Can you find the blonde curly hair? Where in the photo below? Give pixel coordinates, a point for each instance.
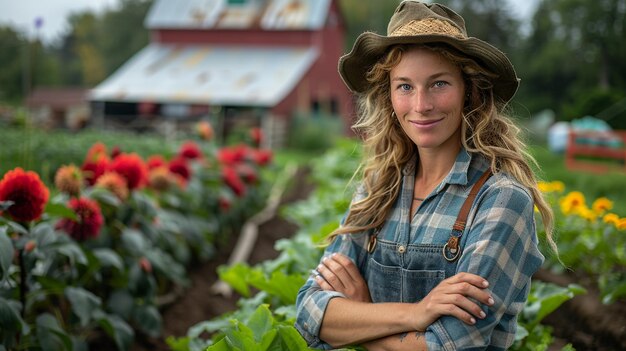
(486, 129)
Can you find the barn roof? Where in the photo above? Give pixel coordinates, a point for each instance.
(206, 74)
(242, 14)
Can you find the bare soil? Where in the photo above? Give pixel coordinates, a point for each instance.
(584, 321)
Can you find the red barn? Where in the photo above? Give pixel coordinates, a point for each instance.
(266, 58)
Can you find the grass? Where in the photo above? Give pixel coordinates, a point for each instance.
(45, 151)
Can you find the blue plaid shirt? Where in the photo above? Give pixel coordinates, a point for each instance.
(499, 244)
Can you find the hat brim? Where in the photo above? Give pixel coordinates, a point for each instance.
(369, 48)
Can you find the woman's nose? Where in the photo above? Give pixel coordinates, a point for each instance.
(422, 101)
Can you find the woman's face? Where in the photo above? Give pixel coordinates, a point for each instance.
(427, 94)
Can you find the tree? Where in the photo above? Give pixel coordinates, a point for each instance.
(13, 60)
(122, 34)
(366, 15)
(575, 52)
(489, 20)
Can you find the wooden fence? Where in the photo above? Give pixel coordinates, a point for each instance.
(596, 151)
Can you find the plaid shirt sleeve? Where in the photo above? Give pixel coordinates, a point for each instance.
(312, 301)
(500, 244)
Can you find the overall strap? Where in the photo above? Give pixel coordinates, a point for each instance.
(451, 250)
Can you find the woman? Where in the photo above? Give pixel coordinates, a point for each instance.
(439, 245)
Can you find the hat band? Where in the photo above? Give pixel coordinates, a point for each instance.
(427, 26)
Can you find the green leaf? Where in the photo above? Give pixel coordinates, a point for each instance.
(267, 340)
(134, 241)
(235, 276)
(220, 346)
(104, 196)
(83, 303)
(240, 337)
(72, 251)
(140, 283)
(177, 344)
(10, 319)
(60, 210)
(260, 322)
(6, 254)
(5, 205)
(545, 298)
(283, 286)
(149, 320)
(210, 327)
(119, 330)
(109, 258)
(121, 303)
(291, 338)
(44, 234)
(50, 334)
(164, 263)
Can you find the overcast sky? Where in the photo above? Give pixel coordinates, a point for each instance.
(23, 14)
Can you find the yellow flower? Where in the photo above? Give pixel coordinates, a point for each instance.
(572, 202)
(551, 187)
(586, 213)
(611, 218)
(602, 205)
(544, 187)
(621, 225)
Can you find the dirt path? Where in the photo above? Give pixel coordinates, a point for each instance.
(198, 303)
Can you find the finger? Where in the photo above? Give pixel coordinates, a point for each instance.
(470, 278)
(466, 305)
(323, 283)
(338, 270)
(330, 277)
(469, 290)
(455, 311)
(349, 266)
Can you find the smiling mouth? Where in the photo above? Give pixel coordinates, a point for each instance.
(426, 123)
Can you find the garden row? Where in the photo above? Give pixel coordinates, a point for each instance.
(266, 313)
(101, 248)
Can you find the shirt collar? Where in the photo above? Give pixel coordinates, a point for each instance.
(458, 173)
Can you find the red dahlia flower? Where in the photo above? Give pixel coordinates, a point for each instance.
(94, 167)
(27, 192)
(262, 157)
(155, 161)
(232, 179)
(247, 172)
(232, 155)
(69, 179)
(89, 219)
(116, 151)
(132, 167)
(257, 136)
(190, 151)
(95, 151)
(180, 166)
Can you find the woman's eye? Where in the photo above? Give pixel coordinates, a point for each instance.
(440, 84)
(404, 87)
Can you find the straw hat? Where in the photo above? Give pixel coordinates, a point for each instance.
(417, 23)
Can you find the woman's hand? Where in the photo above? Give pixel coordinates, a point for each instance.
(338, 273)
(453, 297)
